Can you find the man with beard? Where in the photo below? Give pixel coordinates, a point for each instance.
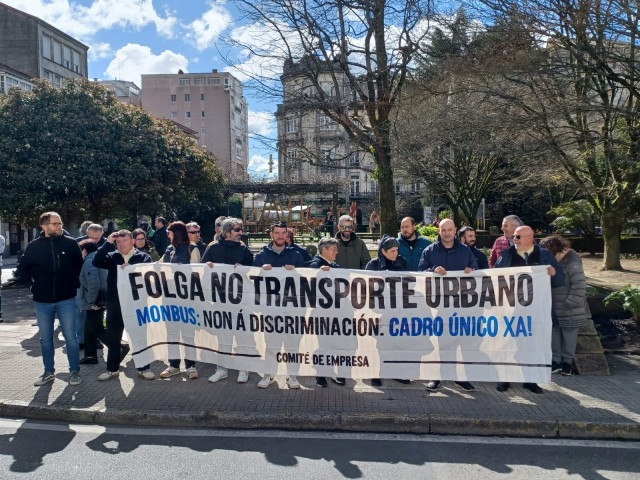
(278, 254)
(467, 236)
(411, 243)
(50, 267)
(228, 250)
(352, 252)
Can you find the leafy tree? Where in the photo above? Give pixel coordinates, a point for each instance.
(371, 43)
(579, 215)
(79, 151)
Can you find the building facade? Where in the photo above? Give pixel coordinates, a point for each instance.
(126, 92)
(212, 104)
(38, 49)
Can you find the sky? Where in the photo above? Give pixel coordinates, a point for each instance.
(127, 38)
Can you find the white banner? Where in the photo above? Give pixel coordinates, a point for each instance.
(489, 325)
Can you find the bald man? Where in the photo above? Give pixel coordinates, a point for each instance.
(447, 254)
(524, 252)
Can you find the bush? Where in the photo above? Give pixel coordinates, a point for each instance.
(630, 298)
(429, 231)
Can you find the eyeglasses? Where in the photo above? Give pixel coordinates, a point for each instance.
(194, 232)
(520, 236)
(55, 224)
(237, 229)
(346, 227)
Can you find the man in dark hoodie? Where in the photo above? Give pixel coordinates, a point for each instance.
(228, 250)
(50, 267)
(278, 254)
(352, 252)
(447, 254)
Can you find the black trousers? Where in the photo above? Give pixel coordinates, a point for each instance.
(112, 337)
(93, 329)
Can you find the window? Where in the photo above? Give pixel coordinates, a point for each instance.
(66, 57)
(238, 150)
(397, 188)
(202, 131)
(57, 52)
(226, 82)
(202, 114)
(173, 98)
(76, 61)
(187, 97)
(174, 115)
(187, 114)
(57, 80)
(213, 81)
(374, 186)
(292, 158)
(355, 185)
(202, 96)
(354, 160)
(325, 123)
(184, 81)
(327, 161)
(46, 46)
(291, 125)
(198, 81)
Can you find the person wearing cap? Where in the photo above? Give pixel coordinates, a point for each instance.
(388, 259)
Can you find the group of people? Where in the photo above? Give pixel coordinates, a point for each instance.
(77, 279)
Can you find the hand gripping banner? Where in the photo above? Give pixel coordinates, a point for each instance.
(489, 325)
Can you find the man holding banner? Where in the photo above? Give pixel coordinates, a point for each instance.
(523, 253)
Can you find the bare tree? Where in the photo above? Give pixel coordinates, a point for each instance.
(369, 42)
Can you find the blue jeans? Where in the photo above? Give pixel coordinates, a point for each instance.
(45, 314)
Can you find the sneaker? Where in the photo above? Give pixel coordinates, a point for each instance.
(556, 367)
(221, 374)
(433, 385)
(321, 382)
(146, 374)
(266, 381)
(46, 377)
(339, 380)
(376, 382)
(169, 372)
(532, 387)
(466, 386)
(74, 378)
(192, 373)
(108, 375)
(403, 381)
(566, 369)
(293, 382)
(243, 376)
(88, 361)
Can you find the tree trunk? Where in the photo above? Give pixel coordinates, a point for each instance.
(611, 227)
(387, 201)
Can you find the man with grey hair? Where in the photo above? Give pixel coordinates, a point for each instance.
(95, 232)
(228, 250)
(193, 230)
(218, 227)
(352, 251)
(509, 225)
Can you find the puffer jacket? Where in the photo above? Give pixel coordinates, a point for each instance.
(452, 259)
(570, 300)
(383, 263)
(93, 285)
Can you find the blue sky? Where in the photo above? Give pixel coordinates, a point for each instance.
(127, 38)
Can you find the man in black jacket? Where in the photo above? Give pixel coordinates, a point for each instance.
(228, 250)
(50, 267)
(160, 238)
(467, 236)
(117, 252)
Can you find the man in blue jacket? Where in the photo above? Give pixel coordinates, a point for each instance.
(447, 254)
(524, 252)
(278, 254)
(50, 267)
(467, 235)
(411, 243)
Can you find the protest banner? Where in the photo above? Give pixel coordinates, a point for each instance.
(489, 325)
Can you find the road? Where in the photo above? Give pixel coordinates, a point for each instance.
(32, 449)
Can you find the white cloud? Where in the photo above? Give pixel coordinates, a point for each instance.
(259, 167)
(83, 22)
(132, 60)
(205, 31)
(99, 50)
(261, 123)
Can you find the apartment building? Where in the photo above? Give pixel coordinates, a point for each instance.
(126, 92)
(212, 104)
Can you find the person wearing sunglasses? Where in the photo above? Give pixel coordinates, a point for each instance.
(228, 250)
(524, 252)
(195, 242)
(509, 225)
(353, 252)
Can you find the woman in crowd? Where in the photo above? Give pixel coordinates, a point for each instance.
(374, 222)
(178, 252)
(92, 299)
(143, 244)
(570, 307)
(388, 259)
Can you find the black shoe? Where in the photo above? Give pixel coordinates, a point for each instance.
(124, 349)
(503, 386)
(532, 387)
(321, 382)
(99, 346)
(339, 381)
(376, 382)
(556, 367)
(404, 382)
(88, 361)
(566, 369)
(466, 386)
(433, 385)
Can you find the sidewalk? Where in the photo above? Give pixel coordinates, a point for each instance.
(571, 407)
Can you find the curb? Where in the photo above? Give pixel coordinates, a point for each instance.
(329, 421)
